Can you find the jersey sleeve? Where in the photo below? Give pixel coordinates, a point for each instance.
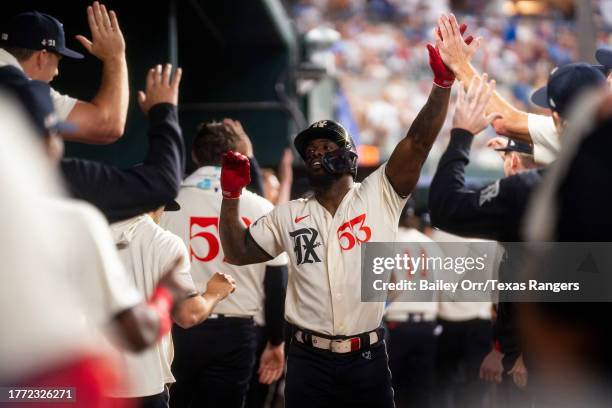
(63, 104)
(380, 195)
(173, 248)
(280, 260)
(119, 292)
(266, 234)
(545, 138)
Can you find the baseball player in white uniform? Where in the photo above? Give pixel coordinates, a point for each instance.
(337, 356)
(94, 272)
(219, 373)
(147, 251)
(411, 323)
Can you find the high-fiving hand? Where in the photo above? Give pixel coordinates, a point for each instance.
(106, 38)
(470, 109)
(453, 49)
(159, 88)
(444, 77)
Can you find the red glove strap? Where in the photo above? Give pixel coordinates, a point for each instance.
(161, 302)
(231, 194)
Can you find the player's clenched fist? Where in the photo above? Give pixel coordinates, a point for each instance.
(220, 285)
(235, 174)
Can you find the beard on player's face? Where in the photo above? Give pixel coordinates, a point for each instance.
(321, 179)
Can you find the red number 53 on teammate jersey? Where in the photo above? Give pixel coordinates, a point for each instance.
(205, 232)
(353, 232)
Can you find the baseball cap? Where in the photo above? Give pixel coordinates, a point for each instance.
(603, 55)
(516, 146)
(172, 206)
(37, 31)
(35, 98)
(565, 84)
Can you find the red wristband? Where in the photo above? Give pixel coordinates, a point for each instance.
(161, 302)
(497, 346)
(232, 195)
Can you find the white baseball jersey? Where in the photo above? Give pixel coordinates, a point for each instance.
(63, 103)
(324, 289)
(197, 223)
(397, 310)
(545, 138)
(461, 311)
(147, 252)
(90, 262)
(38, 310)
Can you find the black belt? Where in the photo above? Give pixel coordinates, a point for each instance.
(222, 316)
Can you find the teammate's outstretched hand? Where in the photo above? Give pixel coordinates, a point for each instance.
(470, 110)
(492, 369)
(454, 49)
(444, 77)
(159, 87)
(220, 285)
(272, 363)
(106, 38)
(235, 174)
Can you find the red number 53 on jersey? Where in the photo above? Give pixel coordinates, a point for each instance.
(204, 233)
(353, 232)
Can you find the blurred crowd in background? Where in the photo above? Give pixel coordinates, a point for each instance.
(381, 62)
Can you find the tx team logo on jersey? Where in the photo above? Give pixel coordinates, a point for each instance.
(304, 244)
(488, 193)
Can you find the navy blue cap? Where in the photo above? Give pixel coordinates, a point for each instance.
(516, 146)
(565, 84)
(35, 97)
(604, 57)
(172, 206)
(37, 31)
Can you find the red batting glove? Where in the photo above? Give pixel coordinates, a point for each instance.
(443, 76)
(235, 174)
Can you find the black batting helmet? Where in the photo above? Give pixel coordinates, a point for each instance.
(344, 160)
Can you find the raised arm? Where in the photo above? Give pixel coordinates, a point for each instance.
(406, 161)
(238, 245)
(102, 120)
(124, 193)
(455, 208)
(456, 54)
